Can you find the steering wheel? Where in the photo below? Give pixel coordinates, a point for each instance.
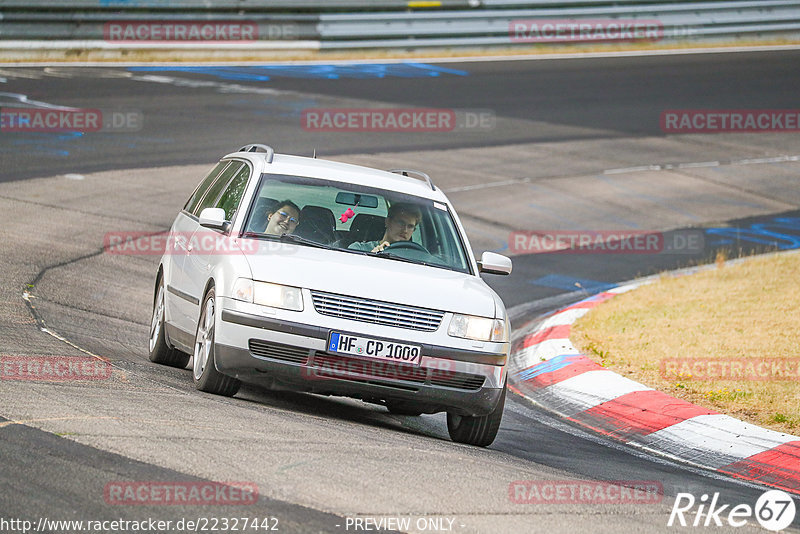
(399, 245)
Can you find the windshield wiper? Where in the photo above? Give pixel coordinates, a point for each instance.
(393, 256)
(290, 238)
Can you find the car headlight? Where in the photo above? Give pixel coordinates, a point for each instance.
(266, 294)
(477, 328)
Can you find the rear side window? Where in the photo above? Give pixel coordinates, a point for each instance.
(232, 196)
(201, 190)
(209, 200)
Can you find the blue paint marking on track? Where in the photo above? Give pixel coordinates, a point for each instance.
(48, 144)
(549, 366)
(782, 233)
(569, 283)
(263, 73)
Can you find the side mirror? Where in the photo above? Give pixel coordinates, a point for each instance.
(492, 263)
(214, 218)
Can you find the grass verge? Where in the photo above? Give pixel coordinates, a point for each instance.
(738, 319)
(222, 54)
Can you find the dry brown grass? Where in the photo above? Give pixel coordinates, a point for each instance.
(235, 55)
(745, 311)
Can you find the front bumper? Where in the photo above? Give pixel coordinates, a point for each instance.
(282, 354)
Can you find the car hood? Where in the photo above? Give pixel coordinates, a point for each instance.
(373, 278)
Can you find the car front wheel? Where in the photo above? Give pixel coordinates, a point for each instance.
(206, 376)
(477, 430)
(160, 351)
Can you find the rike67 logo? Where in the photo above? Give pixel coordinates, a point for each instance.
(774, 510)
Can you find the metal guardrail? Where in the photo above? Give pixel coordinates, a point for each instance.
(491, 27)
(398, 24)
(316, 6)
(259, 5)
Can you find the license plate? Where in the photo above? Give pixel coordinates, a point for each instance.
(378, 349)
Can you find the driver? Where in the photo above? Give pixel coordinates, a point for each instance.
(401, 221)
(283, 219)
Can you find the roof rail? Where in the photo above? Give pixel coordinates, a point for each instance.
(418, 174)
(259, 148)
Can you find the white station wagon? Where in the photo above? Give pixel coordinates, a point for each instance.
(311, 275)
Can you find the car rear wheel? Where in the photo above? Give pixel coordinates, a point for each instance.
(477, 430)
(206, 376)
(160, 351)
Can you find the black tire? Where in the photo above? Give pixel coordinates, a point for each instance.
(399, 409)
(478, 430)
(160, 351)
(206, 376)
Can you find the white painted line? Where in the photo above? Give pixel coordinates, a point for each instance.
(19, 100)
(698, 164)
(487, 185)
(640, 168)
(74, 176)
(592, 388)
(691, 165)
(775, 159)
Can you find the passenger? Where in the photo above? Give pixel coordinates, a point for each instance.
(284, 219)
(401, 221)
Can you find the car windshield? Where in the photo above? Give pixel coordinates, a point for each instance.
(356, 220)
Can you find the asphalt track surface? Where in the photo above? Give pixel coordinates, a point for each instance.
(559, 126)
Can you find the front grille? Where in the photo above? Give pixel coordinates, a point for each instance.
(277, 351)
(456, 380)
(363, 370)
(376, 311)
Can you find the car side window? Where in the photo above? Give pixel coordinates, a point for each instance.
(191, 204)
(232, 196)
(212, 195)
